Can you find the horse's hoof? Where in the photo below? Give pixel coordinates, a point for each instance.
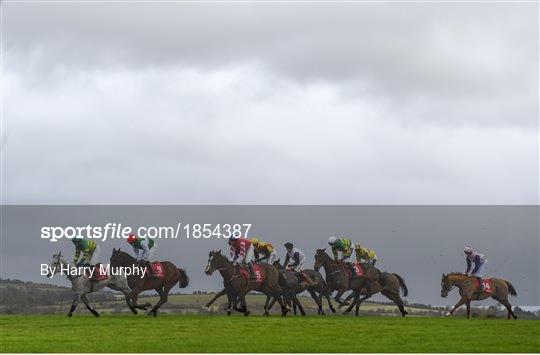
(247, 313)
(266, 314)
(206, 307)
(345, 313)
(96, 314)
(69, 315)
(448, 314)
(134, 311)
(333, 310)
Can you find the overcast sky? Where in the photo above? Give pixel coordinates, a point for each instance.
(270, 103)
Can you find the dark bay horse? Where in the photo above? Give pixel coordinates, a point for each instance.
(317, 288)
(237, 286)
(172, 276)
(390, 283)
(468, 291)
(292, 284)
(337, 277)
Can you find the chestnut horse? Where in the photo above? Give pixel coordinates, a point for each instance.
(172, 276)
(468, 289)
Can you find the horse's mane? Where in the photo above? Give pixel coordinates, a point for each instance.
(124, 254)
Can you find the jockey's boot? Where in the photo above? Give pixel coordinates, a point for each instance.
(95, 275)
(251, 272)
(480, 285)
(351, 267)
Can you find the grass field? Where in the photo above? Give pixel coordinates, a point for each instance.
(174, 333)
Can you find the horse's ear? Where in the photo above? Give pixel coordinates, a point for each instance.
(219, 251)
(59, 253)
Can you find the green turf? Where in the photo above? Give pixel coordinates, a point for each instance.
(197, 333)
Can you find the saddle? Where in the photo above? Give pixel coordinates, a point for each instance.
(258, 273)
(357, 267)
(157, 270)
(99, 273)
(486, 283)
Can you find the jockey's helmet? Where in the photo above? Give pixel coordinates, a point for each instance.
(357, 246)
(131, 238)
(255, 241)
(289, 245)
(468, 249)
(332, 240)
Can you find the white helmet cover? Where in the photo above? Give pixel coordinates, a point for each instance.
(331, 240)
(468, 249)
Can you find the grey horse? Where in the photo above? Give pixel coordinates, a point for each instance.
(82, 285)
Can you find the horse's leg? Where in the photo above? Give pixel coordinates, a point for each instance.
(134, 295)
(326, 294)
(459, 304)
(355, 294)
(315, 297)
(296, 302)
(505, 303)
(393, 296)
(74, 305)
(339, 293)
(268, 305)
(218, 295)
(123, 287)
(163, 293)
(468, 305)
(88, 305)
(244, 304)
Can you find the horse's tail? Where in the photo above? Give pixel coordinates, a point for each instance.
(402, 285)
(511, 288)
(184, 279)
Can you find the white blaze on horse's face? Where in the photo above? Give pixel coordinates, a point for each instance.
(208, 269)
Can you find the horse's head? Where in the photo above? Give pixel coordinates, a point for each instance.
(446, 285)
(277, 264)
(320, 257)
(214, 261)
(56, 264)
(120, 258)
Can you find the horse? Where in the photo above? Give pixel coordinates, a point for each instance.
(468, 290)
(82, 285)
(390, 285)
(338, 279)
(171, 276)
(315, 286)
(293, 284)
(237, 286)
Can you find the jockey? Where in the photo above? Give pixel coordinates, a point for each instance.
(365, 255)
(242, 251)
(89, 249)
(264, 252)
(143, 248)
(342, 249)
(479, 261)
(296, 256)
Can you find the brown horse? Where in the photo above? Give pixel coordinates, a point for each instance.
(172, 276)
(390, 283)
(338, 279)
(237, 286)
(316, 287)
(468, 289)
